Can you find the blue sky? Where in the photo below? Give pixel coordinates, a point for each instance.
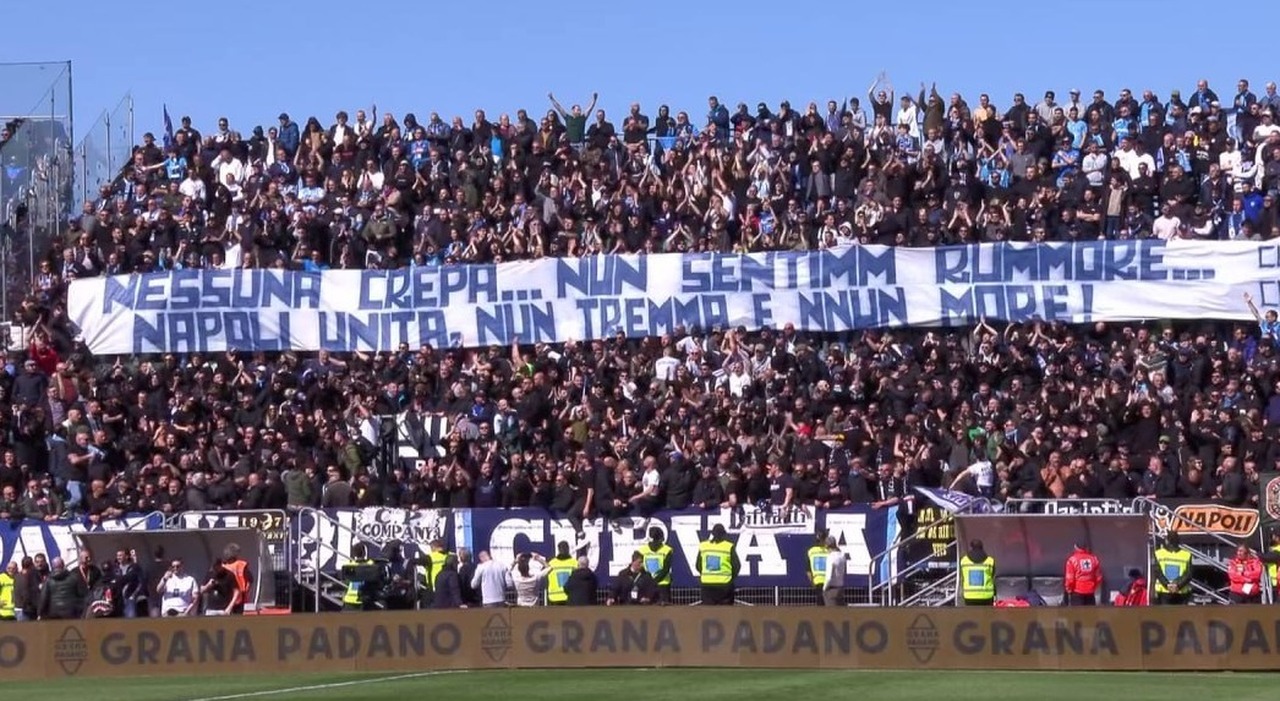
(249, 61)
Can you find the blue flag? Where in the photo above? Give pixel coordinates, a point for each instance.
(168, 128)
(957, 502)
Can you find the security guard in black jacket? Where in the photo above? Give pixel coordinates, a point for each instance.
(634, 585)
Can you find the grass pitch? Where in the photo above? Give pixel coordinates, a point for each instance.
(667, 685)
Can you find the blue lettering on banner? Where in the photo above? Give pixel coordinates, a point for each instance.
(554, 300)
(342, 331)
(527, 322)
(772, 547)
(601, 276)
(1087, 261)
(853, 266)
(184, 290)
(198, 332)
(853, 309)
(416, 288)
(640, 317)
(1020, 303)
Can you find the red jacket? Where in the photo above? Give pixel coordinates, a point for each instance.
(46, 359)
(1242, 571)
(1084, 573)
(1136, 596)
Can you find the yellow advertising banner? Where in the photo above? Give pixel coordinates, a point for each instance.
(1182, 638)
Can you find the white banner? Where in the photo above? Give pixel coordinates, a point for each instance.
(553, 300)
(325, 536)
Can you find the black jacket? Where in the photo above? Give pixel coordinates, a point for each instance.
(634, 588)
(26, 592)
(978, 555)
(63, 595)
(131, 582)
(470, 595)
(448, 590)
(581, 587)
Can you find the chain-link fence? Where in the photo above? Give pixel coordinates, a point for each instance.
(105, 150)
(36, 168)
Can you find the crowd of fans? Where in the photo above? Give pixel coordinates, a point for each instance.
(702, 417)
(126, 586)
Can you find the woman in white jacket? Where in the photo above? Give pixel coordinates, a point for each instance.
(528, 574)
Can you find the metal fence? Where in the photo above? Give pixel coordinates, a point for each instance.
(105, 150)
(36, 169)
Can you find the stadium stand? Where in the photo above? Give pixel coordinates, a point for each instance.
(722, 416)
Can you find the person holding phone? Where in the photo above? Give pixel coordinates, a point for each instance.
(178, 591)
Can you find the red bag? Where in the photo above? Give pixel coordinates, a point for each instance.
(1012, 604)
(1136, 596)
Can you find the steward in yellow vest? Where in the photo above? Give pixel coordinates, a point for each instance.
(657, 562)
(977, 576)
(558, 570)
(718, 567)
(8, 583)
(363, 577)
(1271, 558)
(428, 568)
(1173, 572)
(816, 564)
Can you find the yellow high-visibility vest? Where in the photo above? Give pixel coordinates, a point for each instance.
(653, 561)
(1273, 571)
(978, 579)
(351, 596)
(559, 569)
(428, 575)
(1173, 565)
(716, 562)
(818, 564)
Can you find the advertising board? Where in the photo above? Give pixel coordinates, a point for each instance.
(1150, 639)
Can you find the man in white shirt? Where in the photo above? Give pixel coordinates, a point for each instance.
(739, 380)
(1166, 226)
(1127, 157)
(908, 116)
(983, 475)
(364, 127)
(1229, 161)
(1132, 157)
(491, 580)
(650, 481)
(1045, 108)
(1264, 130)
(226, 164)
(178, 591)
(1094, 165)
(837, 566)
(664, 368)
(193, 187)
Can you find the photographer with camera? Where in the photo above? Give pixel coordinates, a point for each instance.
(364, 578)
(527, 575)
(400, 594)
